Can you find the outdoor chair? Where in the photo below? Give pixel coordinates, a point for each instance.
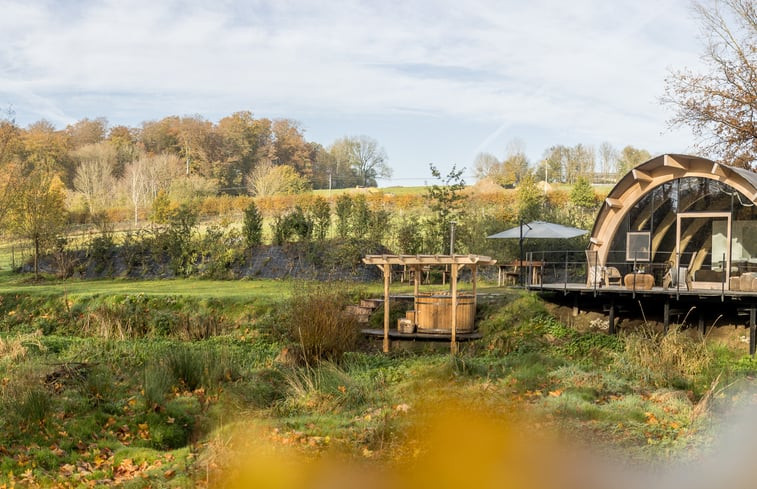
(676, 275)
(593, 270)
(612, 276)
(598, 275)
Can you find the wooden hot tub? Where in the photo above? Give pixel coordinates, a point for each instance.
(434, 313)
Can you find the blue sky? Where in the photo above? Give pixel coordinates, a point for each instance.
(432, 81)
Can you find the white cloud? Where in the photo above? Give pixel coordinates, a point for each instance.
(586, 68)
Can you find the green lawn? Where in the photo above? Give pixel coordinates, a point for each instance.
(232, 289)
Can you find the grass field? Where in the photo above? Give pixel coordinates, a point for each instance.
(176, 383)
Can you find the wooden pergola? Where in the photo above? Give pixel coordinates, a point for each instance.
(416, 263)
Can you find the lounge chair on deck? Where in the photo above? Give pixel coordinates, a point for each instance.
(598, 275)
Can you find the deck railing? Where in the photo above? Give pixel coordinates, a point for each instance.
(667, 270)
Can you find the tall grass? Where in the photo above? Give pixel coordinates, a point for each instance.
(662, 360)
(318, 323)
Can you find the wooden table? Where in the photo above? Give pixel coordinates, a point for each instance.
(639, 281)
(509, 273)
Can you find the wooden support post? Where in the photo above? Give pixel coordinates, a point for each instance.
(666, 316)
(474, 280)
(387, 275)
(611, 318)
(416, 291)
(752, 330)
(453, 344)
(702, 325)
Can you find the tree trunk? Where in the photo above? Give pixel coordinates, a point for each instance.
(36, 257)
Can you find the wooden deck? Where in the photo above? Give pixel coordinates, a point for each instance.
(708, 304)
(671, 292)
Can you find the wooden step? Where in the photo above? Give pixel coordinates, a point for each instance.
(371, 303)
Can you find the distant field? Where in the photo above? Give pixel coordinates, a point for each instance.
(420, 190)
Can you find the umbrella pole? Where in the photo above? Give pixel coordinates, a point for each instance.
(520, 268)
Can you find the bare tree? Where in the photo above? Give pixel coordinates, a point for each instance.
(94, 175)
(365, 157)
(608, 159)
(160, 171)
(135, 183)
(720, 104)
(486, 165)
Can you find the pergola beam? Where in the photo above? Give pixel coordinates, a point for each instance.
(428, 260)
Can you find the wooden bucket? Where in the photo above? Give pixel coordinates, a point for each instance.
(434, 313)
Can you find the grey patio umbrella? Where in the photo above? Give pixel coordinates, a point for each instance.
(538, 230)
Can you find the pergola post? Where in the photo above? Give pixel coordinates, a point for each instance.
(453, 344)
(416, 291)
(387, 268)
(474, 282)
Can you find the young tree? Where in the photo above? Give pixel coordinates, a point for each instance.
(253, 226)
(720, 104)
(135, 184)
(320, 215)
(582, 194)
(344, 204)
(445, 201)
(530, 200)
(39, 211)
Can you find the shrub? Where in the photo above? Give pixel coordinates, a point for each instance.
(318, 323)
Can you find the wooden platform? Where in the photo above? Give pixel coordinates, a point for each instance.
(671, 292)
(396, 335)
(708, 305)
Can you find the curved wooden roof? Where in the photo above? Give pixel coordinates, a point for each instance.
(650, 175)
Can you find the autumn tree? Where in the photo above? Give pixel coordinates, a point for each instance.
(124, 141)
(11, 174)
(290, 147)
(46, 149)
(86, 131)
(39, 212)
(267, 179)
(324, 164)
(720, 104)
(630, 158)
(245, 141)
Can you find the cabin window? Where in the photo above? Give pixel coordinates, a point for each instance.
(637, 246)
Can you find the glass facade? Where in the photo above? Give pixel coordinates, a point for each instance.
(703, 239)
